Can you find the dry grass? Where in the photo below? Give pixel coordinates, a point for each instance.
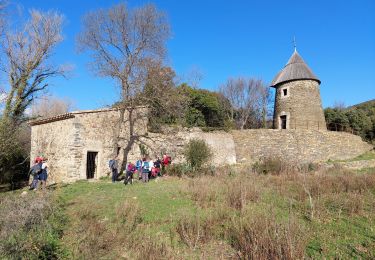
(27, 227)
(314, 194)
(241, 191)
(237, 214)
(261, 237)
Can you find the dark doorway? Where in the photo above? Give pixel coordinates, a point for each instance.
(283, 122)
(91, 164)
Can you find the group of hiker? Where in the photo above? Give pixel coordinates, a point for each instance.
(145, 167)
(39, 172)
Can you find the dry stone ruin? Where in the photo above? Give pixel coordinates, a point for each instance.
(80, 144)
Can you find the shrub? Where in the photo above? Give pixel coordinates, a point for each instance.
(14, 150)
(179, 169)
(197, 153)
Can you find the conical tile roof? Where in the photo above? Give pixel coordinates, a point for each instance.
(295, 69)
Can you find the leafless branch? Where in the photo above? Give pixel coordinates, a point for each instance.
(27, 51)
(123, 44)
(247, 96)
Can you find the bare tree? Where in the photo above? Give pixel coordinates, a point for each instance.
(3, 5)
(248, 97)
(124, 43)
(51, 106)
(194, 77)
(26, 54)
(264, 104)
(339, 105)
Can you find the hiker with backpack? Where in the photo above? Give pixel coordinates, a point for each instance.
(113, 165)
(145, 169)
(35, 170)
(44, 173)
(156, 169)
(138, 167)
(130, 169)
(167, 160)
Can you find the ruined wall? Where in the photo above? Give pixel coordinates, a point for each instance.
(302, 105)
(300, 146)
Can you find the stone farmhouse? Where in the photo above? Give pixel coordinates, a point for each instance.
(80, 144)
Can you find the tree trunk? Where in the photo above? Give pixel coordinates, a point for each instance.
(132, 138)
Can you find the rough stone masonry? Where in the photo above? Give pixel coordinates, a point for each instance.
(67, 140)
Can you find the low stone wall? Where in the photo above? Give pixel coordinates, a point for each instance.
(300, 146)
(174, 140)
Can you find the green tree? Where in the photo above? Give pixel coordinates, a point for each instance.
(358, 118)
(336, 119)
(211, 105)
(194, 117)
(359, 122)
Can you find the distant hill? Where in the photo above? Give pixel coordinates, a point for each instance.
(363, 105)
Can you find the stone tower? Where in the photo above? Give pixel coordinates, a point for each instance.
(297, 98)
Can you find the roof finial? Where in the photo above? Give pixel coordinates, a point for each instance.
(295, 43)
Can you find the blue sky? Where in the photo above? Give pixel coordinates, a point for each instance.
(238, 38)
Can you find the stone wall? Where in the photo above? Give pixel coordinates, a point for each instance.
(301, 146)
(173, 141)
(302, 105)
(95, 132)
(55, 141)
(66, 143)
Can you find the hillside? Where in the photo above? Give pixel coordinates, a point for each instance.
(364, 105)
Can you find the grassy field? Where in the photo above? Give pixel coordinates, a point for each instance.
(234, 214)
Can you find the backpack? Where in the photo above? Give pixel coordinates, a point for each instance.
(130, 167)
(146, 166)
(36, 169)
(157, 164)
(169, 159)
(111, 164)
